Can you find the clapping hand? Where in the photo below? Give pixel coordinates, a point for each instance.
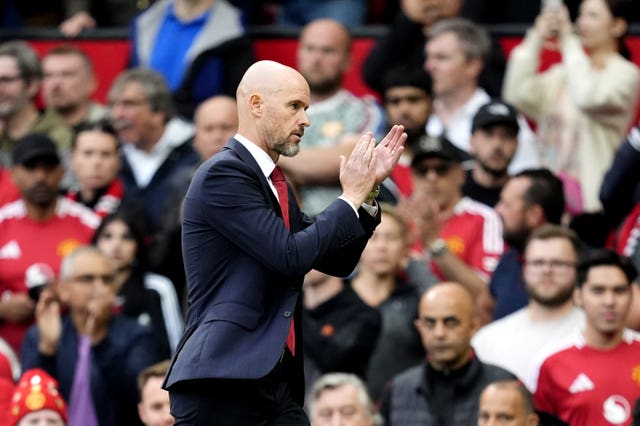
(388, 152)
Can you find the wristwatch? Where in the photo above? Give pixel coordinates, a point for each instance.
(438, 248)
(375, 192)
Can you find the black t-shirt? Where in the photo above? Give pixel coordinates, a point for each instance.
(488, 196)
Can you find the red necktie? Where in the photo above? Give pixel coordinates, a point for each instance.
(279, 182)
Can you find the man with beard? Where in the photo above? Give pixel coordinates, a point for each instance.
(494, 140)
(338, 116)
(247, 247)
(529, 199)
(36, 232)
(550, 317)
(67, 85)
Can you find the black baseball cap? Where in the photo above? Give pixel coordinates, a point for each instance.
(35, 147)
(437, 146)
(495, 112)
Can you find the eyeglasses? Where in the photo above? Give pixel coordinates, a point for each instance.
(107, 279)
(555, 264)
(441, 169)
(8, 80)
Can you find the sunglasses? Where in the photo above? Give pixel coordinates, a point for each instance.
(441, 169)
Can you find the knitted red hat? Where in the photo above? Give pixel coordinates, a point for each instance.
(36, 391)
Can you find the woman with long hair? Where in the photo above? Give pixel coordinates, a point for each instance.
(149, 297)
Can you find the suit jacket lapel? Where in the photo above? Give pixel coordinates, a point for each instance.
(248, 159)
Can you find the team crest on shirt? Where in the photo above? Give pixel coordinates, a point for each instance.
(455, 244)
(66, 246)
(616, 409)
(635, 374)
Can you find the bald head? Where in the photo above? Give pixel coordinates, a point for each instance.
(451, 294)
(267, 77)
(324, 54)
(216, 121)
(272, 101)
(446, 324)
(330, 29)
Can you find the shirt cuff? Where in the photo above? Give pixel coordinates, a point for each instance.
(371, 209)
(353, 207)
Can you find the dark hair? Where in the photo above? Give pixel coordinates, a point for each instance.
(139, 229)
(403, 76)
(546, 190)
(605, 257)
(102, 126)
(621, 9)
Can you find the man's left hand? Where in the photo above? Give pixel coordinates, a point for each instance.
(388, 152)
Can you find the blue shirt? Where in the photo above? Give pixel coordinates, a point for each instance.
(507, 285)
(172, 43)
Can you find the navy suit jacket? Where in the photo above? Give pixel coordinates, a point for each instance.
(245, 269)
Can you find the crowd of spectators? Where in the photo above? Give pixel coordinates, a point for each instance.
(504, 266)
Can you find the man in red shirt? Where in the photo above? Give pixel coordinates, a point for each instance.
(595, 380)
(36, 232)
(461, 238)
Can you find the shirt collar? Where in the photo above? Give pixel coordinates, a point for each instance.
(265, 162)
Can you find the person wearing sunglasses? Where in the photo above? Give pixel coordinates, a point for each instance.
(459, 238)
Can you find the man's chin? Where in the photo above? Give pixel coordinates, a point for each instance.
(289, 150)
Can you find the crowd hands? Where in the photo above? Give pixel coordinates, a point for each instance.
(489, 258)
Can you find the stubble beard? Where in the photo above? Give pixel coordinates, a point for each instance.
(555, 300)
(288, 149)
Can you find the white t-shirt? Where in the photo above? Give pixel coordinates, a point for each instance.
(514, 341)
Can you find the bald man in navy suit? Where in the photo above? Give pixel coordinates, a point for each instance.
(247, 247)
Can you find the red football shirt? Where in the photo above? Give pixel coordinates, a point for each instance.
(32, 248)
(587, 386)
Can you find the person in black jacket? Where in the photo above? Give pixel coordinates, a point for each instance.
(340, 330)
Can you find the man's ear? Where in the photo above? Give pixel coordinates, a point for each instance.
(256, 104)
(534, 216)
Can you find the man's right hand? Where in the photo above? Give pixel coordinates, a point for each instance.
(18, 308)
(358, 172)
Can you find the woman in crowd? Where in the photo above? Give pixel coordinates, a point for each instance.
(149, 297)
(584, 105)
